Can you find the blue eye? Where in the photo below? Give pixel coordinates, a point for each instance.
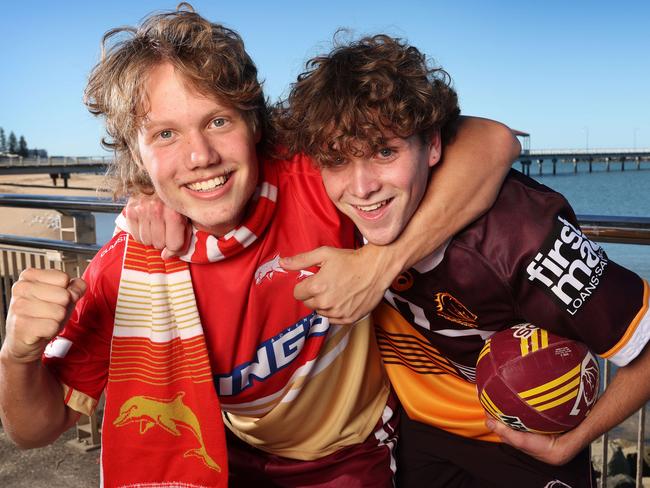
(219, 122)
(165, 134)
(385, 152)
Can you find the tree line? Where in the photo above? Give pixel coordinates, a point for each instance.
(18, 146)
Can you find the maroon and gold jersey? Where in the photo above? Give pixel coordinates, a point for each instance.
(525, 260)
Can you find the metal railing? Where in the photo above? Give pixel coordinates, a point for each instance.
(71, 253)
(19, 252)
(623, 230)
(52, 160)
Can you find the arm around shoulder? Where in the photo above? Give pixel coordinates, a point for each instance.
(462, 187)
(351, 283)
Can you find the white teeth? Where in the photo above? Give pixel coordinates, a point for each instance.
(370, 208)
(208, 185)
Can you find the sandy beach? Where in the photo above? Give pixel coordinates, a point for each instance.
(44, 223)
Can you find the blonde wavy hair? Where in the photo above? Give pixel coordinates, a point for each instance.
(210, 56)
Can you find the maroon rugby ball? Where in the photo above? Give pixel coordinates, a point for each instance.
(535, 381)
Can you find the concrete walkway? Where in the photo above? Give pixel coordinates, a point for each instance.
(55, 466)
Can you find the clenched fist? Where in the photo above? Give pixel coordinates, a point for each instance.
(41, 303)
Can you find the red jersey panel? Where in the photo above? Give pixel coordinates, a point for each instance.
(277, 366)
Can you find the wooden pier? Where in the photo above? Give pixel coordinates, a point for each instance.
(612, 159)
(57, 166)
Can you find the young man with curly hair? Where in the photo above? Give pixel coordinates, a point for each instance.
(364, 113)
(174, 343)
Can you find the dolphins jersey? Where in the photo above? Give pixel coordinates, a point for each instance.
(525, 260)
(289, 382)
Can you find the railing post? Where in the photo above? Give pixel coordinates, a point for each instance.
(640, 448)
(605, 437)
(78, 227)
(6, 288)
(88, 434)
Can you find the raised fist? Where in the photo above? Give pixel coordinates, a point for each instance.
(41, 303)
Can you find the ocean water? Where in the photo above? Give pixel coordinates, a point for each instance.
(621, 193)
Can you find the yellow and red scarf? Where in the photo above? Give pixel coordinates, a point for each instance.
(163, 424)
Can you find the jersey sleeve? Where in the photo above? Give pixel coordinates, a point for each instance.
(79, 355)
(564, 282)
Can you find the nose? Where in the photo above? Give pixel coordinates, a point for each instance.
(363, 181)
(202, 151)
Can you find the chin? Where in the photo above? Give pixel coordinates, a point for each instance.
(379, 238)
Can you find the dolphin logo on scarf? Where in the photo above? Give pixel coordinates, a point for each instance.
(169, 415)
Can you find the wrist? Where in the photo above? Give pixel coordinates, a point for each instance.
(9, 357)
(390, 262)
(568, 446)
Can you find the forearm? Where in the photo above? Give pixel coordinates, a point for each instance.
(462, 187)
(32, 410)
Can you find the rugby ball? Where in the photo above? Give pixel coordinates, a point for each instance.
(535, 381)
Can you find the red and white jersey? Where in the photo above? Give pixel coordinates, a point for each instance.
(278, 367)
(525, 260)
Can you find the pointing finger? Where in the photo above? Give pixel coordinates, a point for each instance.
(303, 260)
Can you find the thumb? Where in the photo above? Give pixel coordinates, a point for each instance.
(506, 434)
(77, 288)
(497, 427)
(302, 261)
(166, 254)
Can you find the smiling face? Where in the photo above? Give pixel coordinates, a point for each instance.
(199, 153)
(381, 193)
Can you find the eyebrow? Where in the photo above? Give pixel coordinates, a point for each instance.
(148, 124)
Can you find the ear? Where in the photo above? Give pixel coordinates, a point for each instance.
(435, 149)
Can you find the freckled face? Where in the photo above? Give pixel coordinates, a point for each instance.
(199, 153)
(381, 193)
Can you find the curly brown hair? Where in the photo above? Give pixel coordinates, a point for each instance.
(349, 101)
(210, 56)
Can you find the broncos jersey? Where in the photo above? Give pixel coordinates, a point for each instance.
(290, 383)
(525, 260)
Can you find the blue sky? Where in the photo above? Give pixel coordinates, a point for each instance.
(571, 73)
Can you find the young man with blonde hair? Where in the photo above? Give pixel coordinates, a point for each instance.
(173, 343)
